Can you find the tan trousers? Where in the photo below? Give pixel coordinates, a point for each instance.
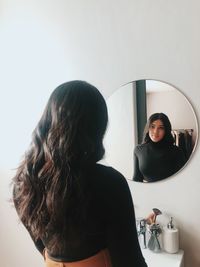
(101, 259)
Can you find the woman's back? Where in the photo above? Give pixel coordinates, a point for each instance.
(109, 222)
(72, 206)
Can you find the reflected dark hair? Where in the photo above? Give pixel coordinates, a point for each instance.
(49, 183)
(168, 138)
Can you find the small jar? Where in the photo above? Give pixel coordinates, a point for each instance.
(154, 239)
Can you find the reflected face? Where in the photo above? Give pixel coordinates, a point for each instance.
(156, 131)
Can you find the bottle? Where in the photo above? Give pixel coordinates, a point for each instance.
(170, 238)
(141, 231)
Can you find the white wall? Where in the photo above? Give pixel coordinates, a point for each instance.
(107, 43)
(176, 106)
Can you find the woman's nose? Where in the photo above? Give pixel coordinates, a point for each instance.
(155, 130)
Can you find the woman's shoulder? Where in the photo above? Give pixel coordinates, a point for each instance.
(140, 147)
(176, 149)
(109, 182)
(108, 170)
(178, 152)
(108, 175)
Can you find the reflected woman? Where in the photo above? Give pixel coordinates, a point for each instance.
(157, 157)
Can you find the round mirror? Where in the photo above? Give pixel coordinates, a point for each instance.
(152, 130)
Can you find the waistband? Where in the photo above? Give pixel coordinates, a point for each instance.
(101, 259)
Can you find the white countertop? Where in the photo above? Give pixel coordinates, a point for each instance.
(163, 259)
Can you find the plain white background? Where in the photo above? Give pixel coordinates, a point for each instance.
(107, 43)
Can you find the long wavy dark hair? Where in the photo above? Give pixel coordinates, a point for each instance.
(49, 183)
(168, 138)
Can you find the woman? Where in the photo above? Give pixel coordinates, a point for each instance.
(78, 213)
(157, 157)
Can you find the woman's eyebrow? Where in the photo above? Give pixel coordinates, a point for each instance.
(152, 124)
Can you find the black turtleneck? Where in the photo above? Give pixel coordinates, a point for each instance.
(154, 161)
(109, 223)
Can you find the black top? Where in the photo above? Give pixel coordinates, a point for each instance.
(155, 161)
(110, 224)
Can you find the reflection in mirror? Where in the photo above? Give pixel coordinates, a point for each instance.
(152, 130)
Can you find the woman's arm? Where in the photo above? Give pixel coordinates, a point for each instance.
(179, 159)
(122, 239)
(137, 175)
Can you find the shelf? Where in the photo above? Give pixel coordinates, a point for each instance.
(163, 259)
